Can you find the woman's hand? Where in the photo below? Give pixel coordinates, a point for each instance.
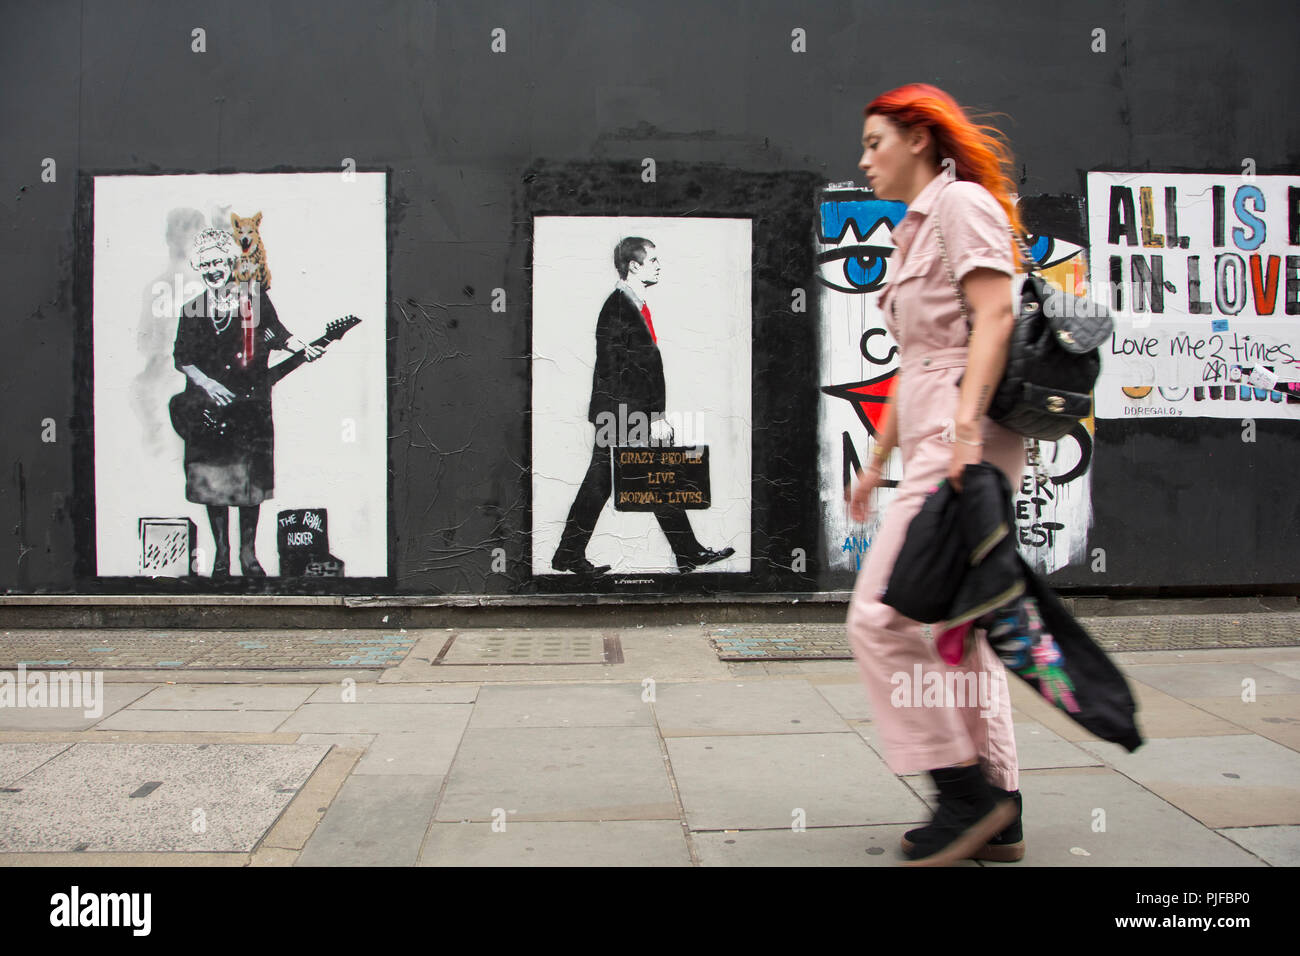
(311, 352)
(220, 395)
(859, 501)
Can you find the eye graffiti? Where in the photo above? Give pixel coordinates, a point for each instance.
(854, 269)
(859, 265)
(1048, 252)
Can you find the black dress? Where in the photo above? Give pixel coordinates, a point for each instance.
(235, 467)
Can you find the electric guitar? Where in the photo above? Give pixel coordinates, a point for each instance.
(193, 413)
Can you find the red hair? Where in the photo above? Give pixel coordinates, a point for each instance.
(979, 152)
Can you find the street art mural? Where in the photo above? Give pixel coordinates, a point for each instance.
(1202, 275)
(859, 359)
(641, 383)
(240, 427)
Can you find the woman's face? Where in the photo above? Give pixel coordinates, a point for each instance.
(215, 268)
(886, 157)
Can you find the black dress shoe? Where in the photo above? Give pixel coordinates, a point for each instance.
(689, 562)
(251, 568)
(578, 565)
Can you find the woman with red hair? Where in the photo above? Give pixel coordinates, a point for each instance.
(922, 149)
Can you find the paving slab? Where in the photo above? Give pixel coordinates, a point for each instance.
(1163, 715)
(1276, 846)
(229, 721)
(1250, 655)
(609, 844)
(375, 693)
(758, 782)
(222, 697)
(115, 697)
(117, 860)
(1141, 829)
(849, 700)
(18, 759)
(1224, 781)
(558, 774)
(347, 741)
(1289, 669)
(273, 856)
(1030, 704)
(357, 718)
(300, 819)
(427, 752)
(817, 846)
(743, 707)
(377, 820)
(1276, 716)
(1218, 679)
(562, 705)
(154, 797)
(144, 737)
(1037, 748)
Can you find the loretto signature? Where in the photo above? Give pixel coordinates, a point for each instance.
(194, 415)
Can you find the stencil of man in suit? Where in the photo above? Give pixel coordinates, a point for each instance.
(627, 394)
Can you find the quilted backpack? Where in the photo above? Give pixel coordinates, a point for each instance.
(1053, 358)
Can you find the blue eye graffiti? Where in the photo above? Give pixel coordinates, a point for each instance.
(1048, 251)
(853, 269)
(859, 266)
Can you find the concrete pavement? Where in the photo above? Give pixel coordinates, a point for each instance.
(654, 753)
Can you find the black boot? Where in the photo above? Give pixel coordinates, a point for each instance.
(1004, 847)
(1008, 845)
(970, 812)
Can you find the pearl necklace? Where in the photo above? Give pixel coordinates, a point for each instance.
(224, 305)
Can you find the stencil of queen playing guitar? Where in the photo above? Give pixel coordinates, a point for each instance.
(223, 342)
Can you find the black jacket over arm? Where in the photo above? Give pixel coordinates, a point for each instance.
(959, 559)
(629, 370)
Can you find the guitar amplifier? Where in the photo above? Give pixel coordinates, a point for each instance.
(648, 477)
(167, 547)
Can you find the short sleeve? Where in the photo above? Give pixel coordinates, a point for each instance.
(976, 231)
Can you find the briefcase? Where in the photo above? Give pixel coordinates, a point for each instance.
(650, 477)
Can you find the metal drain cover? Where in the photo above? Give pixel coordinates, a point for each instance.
(532, 647)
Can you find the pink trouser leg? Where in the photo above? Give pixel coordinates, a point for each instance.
(891, 653)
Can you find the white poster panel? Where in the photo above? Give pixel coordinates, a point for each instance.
(317, 243)
(700, 312)
(1202, 274)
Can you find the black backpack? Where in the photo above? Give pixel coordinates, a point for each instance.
(1053, 358)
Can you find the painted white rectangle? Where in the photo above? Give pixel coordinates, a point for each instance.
(326, 245)
(702, 319)
(1217, 297)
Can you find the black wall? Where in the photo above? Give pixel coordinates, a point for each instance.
(415, 88)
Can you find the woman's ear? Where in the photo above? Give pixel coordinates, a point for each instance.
(919, 140)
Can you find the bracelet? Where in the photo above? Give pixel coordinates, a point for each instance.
(965, 442)
(880, 453)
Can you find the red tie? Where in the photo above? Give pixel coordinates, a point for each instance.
(645, 314)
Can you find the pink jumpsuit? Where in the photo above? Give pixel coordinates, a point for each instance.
(932, 337)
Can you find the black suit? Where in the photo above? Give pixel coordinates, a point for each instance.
(629, 372)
